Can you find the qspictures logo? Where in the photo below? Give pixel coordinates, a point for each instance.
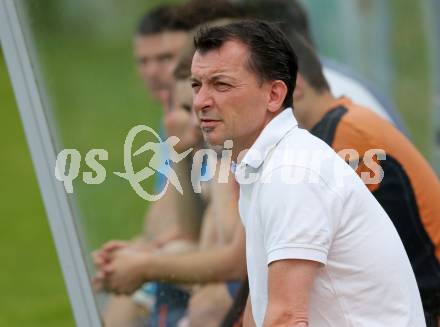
(207, 164)
(67, 173)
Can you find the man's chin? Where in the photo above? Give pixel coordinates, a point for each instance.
(213, 140)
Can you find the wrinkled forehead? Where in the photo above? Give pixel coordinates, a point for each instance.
(230, 59)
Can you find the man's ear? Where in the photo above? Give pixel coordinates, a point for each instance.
(278, 92)
(299, 88)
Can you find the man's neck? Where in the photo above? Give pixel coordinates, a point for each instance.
(246, 142)
(313, 109)
(241, 145)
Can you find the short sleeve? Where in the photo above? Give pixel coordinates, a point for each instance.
(297, 218)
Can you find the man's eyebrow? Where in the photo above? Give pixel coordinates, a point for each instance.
(221, 76)
(194, 79)
(164, 54)
(213, 78)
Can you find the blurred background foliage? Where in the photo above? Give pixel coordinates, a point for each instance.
(83, 52)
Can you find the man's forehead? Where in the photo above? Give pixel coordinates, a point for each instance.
(226, 60)
(166, 41)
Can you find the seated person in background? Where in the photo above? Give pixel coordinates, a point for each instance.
(159, 38)
(158, 41)
(209, 303)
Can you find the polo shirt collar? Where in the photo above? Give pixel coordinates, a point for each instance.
(269, 137)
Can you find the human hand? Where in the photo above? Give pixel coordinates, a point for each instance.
(124, 274)
(103, 255)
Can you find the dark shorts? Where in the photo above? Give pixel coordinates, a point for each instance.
(233, 288)
(170, 307)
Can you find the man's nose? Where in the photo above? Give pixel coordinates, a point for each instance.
(202, 100)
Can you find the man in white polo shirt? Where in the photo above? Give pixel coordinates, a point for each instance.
(320, 249)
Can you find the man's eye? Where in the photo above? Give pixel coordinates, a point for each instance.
(195, 86)
(222, 86)
(186, 107)
(165, 58)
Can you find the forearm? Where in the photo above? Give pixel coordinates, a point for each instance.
(290, 283)
(279, 316)
(214, 265)
(219, 264)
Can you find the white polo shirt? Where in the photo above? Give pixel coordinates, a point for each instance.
(293, 207)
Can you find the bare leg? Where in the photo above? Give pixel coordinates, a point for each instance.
(122, 311)
(209, 305)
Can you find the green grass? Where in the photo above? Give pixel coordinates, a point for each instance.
(31, 283)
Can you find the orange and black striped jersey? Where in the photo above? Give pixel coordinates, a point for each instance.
(409, 191)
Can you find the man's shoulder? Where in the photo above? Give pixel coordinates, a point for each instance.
(298, 145)
(303, 158)
(300, 138)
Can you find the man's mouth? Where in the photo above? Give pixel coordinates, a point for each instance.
(206, 123)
